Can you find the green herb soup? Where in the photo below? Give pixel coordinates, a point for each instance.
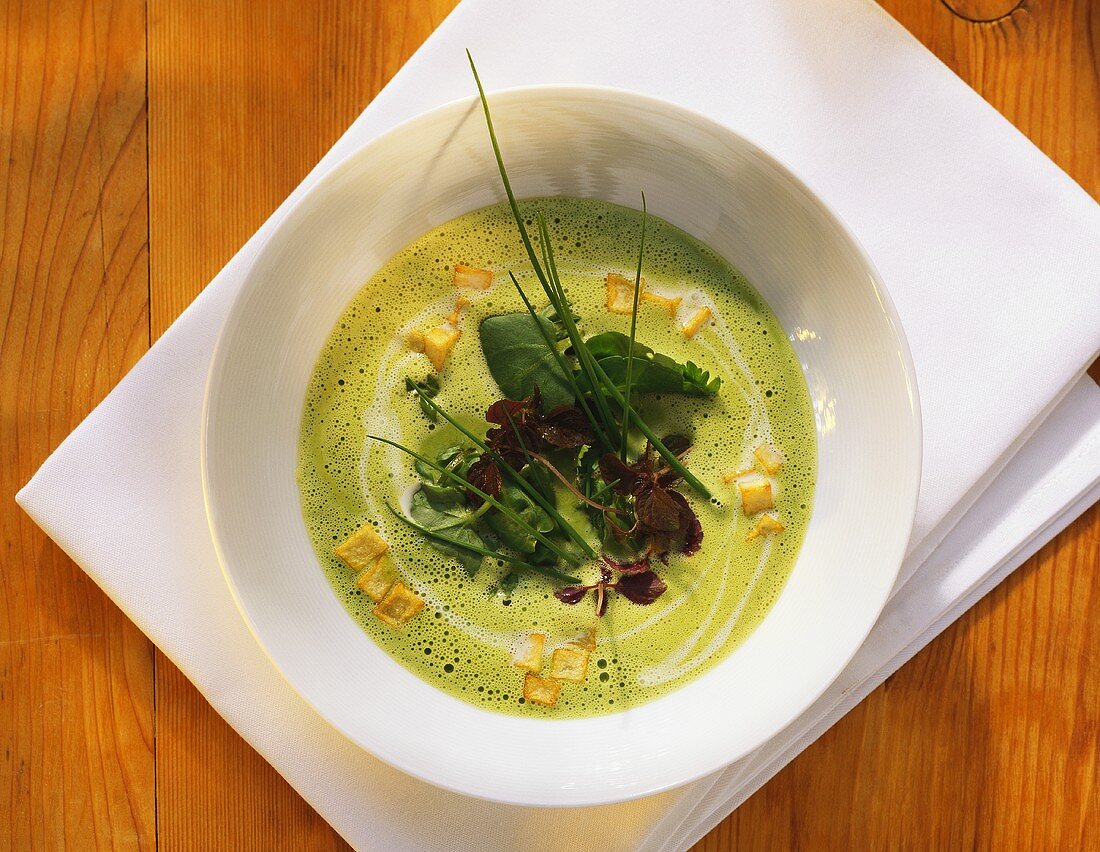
(464, 639)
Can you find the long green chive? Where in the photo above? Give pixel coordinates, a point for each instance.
(633, 334)
(565, 368)
(527, 487)
(564, 312)
(504, 176)
(567, 316)
(508, 512)
(584, 357)
(484, 551)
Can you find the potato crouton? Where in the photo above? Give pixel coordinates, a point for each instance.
(399, 605)
(541, 690)
(472, 278)
(529, 653)
(769, 457)
(376, 580)
(765, 526)
(438, 344)
(569, 664)
(756, 494)
(362, 548)
(696, 322)
(620, 294)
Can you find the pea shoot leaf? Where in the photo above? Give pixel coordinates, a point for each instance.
(652, 372)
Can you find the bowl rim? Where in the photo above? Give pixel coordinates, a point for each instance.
(249, 281)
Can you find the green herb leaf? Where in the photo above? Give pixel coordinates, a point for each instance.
(426, 387)
(454, 522)
(452, 476)
(519, 359)
(653, 372)
(544, 501)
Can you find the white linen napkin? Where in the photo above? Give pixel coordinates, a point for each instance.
(989, 251)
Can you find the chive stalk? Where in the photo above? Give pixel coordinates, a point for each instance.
(565, 368)
(633, 334)
(595, 373)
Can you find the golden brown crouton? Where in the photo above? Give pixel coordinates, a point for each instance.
(362, 548)
(399, 605)
(697, 321)
(474, 279)
(756, 494)
(769, 457)
(376, 580)
(620, 294)
(541, 690)
(438, 344)
(529, 654)
(765, 526)
(569, 664)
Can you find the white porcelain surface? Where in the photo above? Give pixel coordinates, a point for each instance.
(719, 188)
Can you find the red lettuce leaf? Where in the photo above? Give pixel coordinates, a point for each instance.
(572, 594)
(643, 588)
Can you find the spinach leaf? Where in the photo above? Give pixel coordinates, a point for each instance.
(519, 359)
(451, 520)
(653, 372)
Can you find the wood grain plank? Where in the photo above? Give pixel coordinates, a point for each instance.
(76, 677)
(244, 98)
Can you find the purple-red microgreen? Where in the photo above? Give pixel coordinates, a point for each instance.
(638, 583)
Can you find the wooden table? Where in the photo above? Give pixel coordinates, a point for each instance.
(143, 141)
